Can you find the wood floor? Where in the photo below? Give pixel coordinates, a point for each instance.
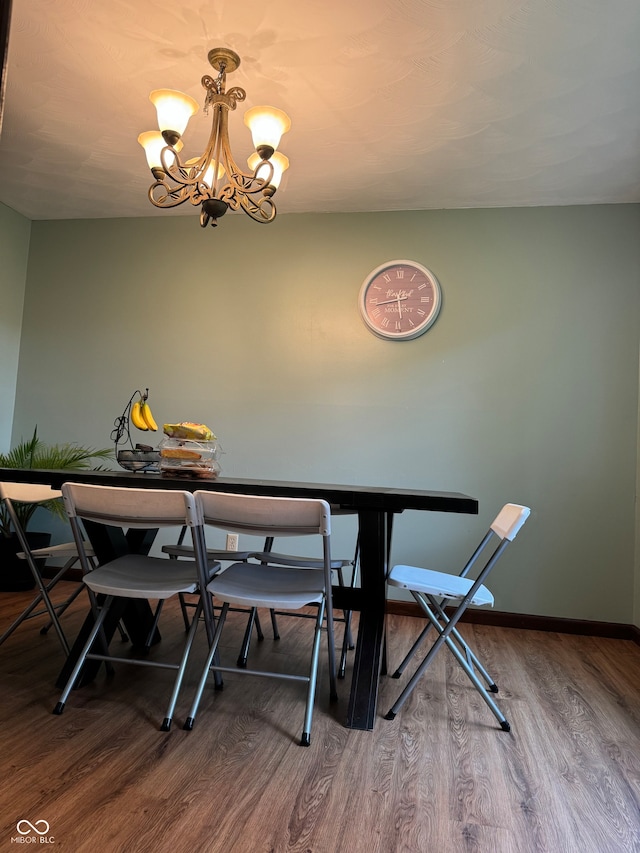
(440, 777)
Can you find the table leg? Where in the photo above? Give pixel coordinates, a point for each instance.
(374, 531)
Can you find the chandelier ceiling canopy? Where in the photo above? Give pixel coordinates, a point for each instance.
(214, 181)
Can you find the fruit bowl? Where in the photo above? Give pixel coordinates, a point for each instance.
(139, 460)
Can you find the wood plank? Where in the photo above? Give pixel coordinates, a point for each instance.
(441, 776)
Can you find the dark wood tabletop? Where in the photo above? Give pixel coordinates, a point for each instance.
(354, 497)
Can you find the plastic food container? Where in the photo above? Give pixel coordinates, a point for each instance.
(196, 460)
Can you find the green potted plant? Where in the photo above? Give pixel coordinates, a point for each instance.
(34, 453)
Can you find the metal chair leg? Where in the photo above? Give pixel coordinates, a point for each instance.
(188, 725)
(244, 651)
(60, 608)
(59, 708)
(166, 723)
(154, 625)
(305, 740)
(443, 638)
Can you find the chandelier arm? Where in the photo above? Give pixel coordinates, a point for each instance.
(189, 186)
(170, 198)
(184, 187)
(174, 198)
(244, 182)
(192, 174)
(187, 179)
(179, 172)
(251, 183)
(262, 209)
(217, 135)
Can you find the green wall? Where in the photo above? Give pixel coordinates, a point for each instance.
(525, 389)
(14, 251)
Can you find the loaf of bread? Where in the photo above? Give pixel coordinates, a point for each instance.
(179, 453)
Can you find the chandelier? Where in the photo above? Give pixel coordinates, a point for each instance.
(214, 180)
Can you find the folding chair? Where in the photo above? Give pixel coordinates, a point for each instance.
(287, 588)
(272, 558)
(267, 555)
(134, 575)
(181, 551)
(434, 590)
(35, 493)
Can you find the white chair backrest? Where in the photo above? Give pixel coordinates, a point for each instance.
(28, 492)
(117, 506)
(264, 516)
(509, 521)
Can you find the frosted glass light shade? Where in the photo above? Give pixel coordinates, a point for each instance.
(267, 124)
(174, 109)
(280, 164)
(153, 143)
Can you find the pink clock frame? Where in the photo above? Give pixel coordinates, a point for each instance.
(400, 300)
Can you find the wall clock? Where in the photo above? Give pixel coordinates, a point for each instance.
(400, 300)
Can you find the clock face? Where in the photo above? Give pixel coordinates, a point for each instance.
(400, 300)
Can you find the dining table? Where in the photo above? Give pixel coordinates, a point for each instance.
(374, 506)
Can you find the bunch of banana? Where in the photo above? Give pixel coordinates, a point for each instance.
(141, 416)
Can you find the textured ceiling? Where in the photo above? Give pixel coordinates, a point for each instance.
(395, 104)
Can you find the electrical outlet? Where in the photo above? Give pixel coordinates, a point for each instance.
(232, 541)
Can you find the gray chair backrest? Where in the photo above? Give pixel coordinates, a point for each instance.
(24, 493)
(27, 492)
(264, 516)
(118, 506)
